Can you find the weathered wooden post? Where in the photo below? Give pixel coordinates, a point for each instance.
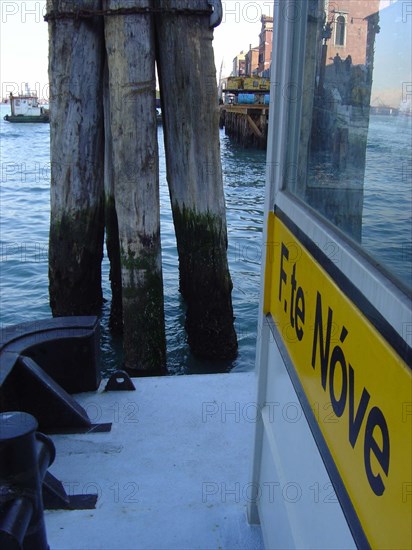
(76, 57)
(190, 113)
(131, 60)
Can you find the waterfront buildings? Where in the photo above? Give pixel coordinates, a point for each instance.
(257, 60)
(348, 25)
(265, 46)
(252, 60)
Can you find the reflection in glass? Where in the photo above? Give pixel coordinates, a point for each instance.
(340, 31)
(355, 134)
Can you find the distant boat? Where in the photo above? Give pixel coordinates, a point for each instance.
(25, 108)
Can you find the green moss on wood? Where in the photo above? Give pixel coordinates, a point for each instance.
(144, 335)
(143, 309)
(75, 256)
(205, 283)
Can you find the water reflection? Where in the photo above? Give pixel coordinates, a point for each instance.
(355, 142)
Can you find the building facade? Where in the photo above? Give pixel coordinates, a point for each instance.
(239, 65)
(348, 20)
(265, 45)
(252, 61)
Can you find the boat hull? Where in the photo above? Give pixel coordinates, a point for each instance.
(28, 118)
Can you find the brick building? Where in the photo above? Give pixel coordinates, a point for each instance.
(349, 26)
(265, 45)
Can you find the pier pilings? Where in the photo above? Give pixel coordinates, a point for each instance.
(247, 125)
(104, 156)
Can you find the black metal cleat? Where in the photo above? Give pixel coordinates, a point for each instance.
(120, 381)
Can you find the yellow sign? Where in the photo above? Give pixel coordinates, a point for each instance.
(357, 386)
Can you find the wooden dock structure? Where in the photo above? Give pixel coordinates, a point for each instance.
(247, 124)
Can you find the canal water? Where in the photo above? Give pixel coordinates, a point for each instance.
(24, 226)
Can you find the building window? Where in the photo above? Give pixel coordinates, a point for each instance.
(340, 31)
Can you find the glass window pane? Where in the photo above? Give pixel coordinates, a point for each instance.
(340, 31)
(355, 145)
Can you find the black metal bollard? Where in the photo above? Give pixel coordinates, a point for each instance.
(25, 456)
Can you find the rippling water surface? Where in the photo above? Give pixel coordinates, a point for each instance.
(24, 226)
(387, 203)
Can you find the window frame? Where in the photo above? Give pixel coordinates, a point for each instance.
(390, 299)
(339, 24)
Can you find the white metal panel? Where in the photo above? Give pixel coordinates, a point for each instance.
(302, 511)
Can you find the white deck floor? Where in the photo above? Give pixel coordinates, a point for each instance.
(173, 473)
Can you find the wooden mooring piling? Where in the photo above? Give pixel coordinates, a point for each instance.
(194, 174)
(104, 176)
(76, 63)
